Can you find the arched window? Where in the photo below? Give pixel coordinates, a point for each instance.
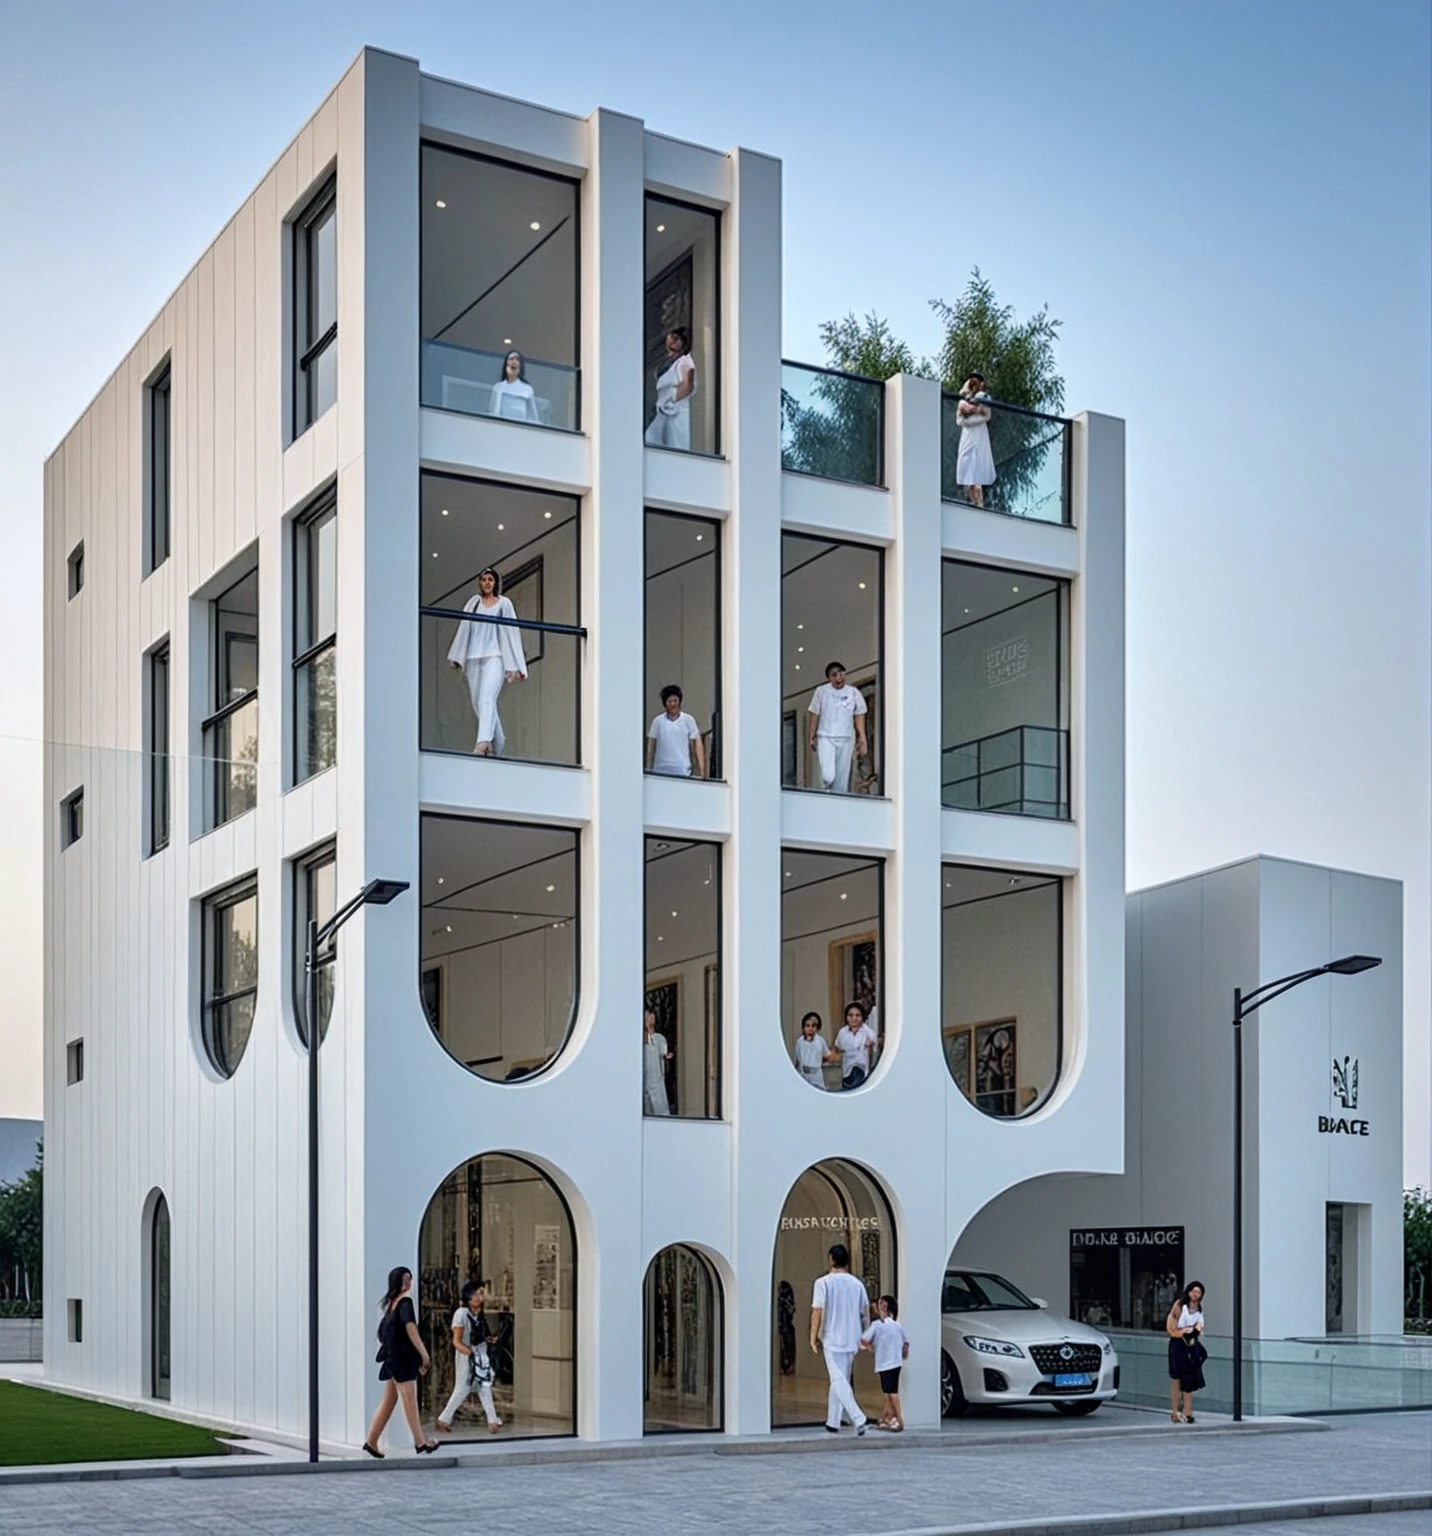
(683, 1342)
(498, 1219)
(159, 1300)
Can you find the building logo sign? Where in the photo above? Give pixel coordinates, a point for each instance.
(1344, 1083)
(1006, 663)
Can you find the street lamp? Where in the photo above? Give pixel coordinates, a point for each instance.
(377, 893)
(1245, 1003)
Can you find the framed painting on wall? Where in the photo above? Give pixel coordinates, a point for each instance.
(959, 1054)
(996, 1083)
(854, 976)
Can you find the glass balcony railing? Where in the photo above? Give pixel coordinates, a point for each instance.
(1028, 453)
(1023, 771)
(467, 379)
(832, 424)
(231, 747)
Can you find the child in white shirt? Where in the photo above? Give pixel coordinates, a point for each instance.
(887, 1339)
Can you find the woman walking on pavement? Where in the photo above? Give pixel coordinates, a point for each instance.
(1186, 1353)
(404, 1357)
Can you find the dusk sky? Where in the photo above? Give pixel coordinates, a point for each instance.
(1227, 205)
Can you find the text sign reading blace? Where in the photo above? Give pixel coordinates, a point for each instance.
(1344, 1090)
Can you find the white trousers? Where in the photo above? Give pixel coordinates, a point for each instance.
(842, 1395)
(833, 756)
(485, 677)
(462, 1374)
(672, 431)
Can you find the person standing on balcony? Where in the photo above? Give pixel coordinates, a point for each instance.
(812, 1052)
(837, 729)
(512, 396)
(974, 468)
(673, 741)
(654, 1058)
(854, 1041)
(488, 655)
(675, 384)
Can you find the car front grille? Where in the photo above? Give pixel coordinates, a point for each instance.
(1057, 1359)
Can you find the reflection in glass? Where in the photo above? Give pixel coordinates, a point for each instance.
(492, 688)
(683, 283)
(1002, 986)
(499, 290)
(500, 1220)
(831, 966)
(315, 308)
(832, 424)
(498, 968)
(1030, 457)
(315, 643)
(831, 614)
(683, 641)
(682, 1338)
(316, 899)
(833, 1202)
(681, 1051)
(231, 733)
(231, 974)
(1004, 692)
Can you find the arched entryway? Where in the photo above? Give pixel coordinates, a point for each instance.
(683, 1341)
(500, 1220)
(834, 1201)
(159, 1299)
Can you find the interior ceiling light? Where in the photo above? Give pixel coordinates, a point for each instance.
(546, 514)
(661, 229)
(1014, 589)
(501, 527)
(674, 914)
(798, 666)
(435, 554)
(788, 874)
(440, 879)
(441, 203)
(534, 225)
(445, 511)
(842, 896)
(862, 587)
(699, 537)
(1015, 880)
(506, 341)
(800, 650)
(551, 887)
(449, 927)
(800, 626)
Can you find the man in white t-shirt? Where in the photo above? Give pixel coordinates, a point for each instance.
(674, 740)
(855, 1040)
(839, 1314)
(837, 729)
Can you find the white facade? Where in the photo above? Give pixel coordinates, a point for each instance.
(123, 941)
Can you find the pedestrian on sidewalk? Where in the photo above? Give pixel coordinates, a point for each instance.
(1186, 1353)
(403, 1357)
(886, 1338)
(840, 1312)
(472, 1362)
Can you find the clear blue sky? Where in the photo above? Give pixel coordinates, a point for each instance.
(1226, 203)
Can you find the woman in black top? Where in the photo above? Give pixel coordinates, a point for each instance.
(404, 1358)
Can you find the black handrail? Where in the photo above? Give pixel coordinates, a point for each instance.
(835, 373)
(491, 618)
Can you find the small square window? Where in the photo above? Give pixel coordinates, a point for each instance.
(72, 818)
(75, 1062)
(77, 569)
(75, 1319)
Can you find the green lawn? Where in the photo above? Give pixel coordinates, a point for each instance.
(41, 1427)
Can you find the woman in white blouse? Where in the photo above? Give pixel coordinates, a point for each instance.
(675, 384)
(512, 395)
(974, 466)
(1186, 1353)
(489, 655)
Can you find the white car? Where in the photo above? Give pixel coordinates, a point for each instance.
(1000, 1347)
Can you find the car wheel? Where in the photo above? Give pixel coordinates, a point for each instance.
(1077, 1410)
(952, 1394)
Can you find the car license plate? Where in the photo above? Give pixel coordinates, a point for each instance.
(1072, 1379)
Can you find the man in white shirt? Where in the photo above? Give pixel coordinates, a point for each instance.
(837, 729)
(839, 1314)
(855, 1040)
(674, 740)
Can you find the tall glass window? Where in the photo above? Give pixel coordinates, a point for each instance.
(157, 753)
(231, 973)
(231, 733)
(500, 275)
(499, 942)
(1004, 691)
(157, 405)
(682, 1342)
(832, 967)
(683, 333)
(500, 1222)
(315, 308)
(832, 700)
(160, 1369)
(681, 1023)
(1002, 986)
(315, 899)
(315, 641)
(498, 585)
(683, 645)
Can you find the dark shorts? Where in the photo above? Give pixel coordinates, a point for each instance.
(890, 1380)
(401, 1370)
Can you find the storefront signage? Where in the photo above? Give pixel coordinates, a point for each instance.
(1344, 1083)
(830, 1223)
(1127, 1237)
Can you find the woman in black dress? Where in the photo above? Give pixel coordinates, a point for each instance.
(404, 1358)
(1186, 1353)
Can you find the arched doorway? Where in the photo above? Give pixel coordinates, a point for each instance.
(159, 1300)
(683, 1342)
(500, 1220)
(835, 1201)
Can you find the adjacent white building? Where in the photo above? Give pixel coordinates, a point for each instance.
(451, 332)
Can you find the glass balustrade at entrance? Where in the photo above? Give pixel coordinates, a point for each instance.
(1006, 459)
(832, 424)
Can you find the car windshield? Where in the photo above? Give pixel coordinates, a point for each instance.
(966, 1292)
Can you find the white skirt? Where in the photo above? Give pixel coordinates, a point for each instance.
(975, 465)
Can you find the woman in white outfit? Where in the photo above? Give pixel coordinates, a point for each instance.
(512, 395)
(472, 1364)
(812, 1052)
(671, 422)
(974, 468)
(489, 655)
(654, 1057)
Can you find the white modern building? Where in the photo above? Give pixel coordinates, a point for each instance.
(261, 541)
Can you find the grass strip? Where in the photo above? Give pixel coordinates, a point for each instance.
(40, 1428)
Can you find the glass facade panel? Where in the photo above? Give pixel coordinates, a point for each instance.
(682, 1342)
(683, 644)
(1125, 1277)
(500, 273)
(1005, 460)
(683, 334)
(1002, 986)
(160, 1370)
(315, 690)
(832, 424)
(498, 967)
(231, 974)
(681, 1025)
(500, 1221)
(1004, 691)
(831, 967)
(316, 899)
(832, 617)
(487, 688)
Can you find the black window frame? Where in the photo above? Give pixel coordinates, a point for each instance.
(72, 818)
(304, 869)
(158, 466)
(158, 745)
(310, 348)
(308, 650)
(75, 1319)
(211, 1000)
(219, 684)
(648, 197)
(74, 1061)
(75, 572)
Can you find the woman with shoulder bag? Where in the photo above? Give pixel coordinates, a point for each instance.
(472, 1364)
(1186, 1353)
(403, 1357)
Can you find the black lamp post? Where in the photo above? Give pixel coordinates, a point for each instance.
(376, 893)
(1245, 1003)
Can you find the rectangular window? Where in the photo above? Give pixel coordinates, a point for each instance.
(315, 308)
(683, 645)
(1125, 1277)
(72, 818)
(76, 569)
(157, 475)
(231, 733)
(315, 641)
(75, 1062)
(315, 899)
(231, 973)
(157, 748)
(500, 274)
(681, 1051)
(682, 326)
(75, 1319)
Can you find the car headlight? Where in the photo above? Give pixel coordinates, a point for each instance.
(993, 1347)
